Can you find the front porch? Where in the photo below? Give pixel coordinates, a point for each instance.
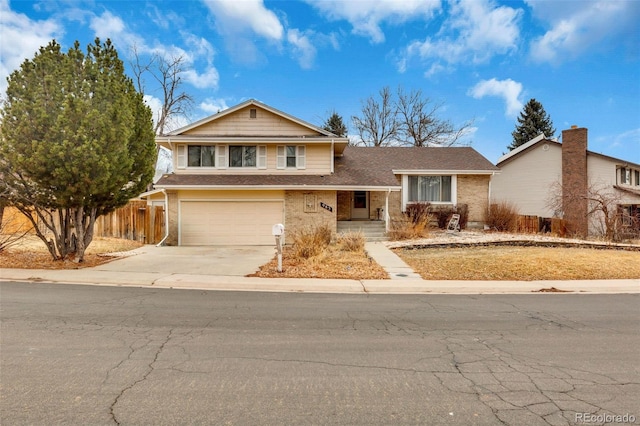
(373, 230)
(367, 212)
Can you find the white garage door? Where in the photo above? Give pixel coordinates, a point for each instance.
(211, 223)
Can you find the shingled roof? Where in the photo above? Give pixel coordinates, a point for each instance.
(358, 167)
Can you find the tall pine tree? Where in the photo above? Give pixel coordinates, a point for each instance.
(77, 142)
(335, 125)
(532, 121)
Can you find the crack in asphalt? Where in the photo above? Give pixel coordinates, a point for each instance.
(149, 370)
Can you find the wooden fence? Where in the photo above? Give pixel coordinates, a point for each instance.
(528, 224)
(535, 224)
(135, 221)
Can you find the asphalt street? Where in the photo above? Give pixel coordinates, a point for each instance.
(91, 355)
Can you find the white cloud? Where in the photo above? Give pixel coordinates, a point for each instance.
(233, 16)
(578, 27)
(476, 30)
(155, 104)
(239, 22)
(209, 79)
(628, 138)
(303, 49)
(510, 91)
(366, 16)
(198, 49)
(213, 106)
(21, 39)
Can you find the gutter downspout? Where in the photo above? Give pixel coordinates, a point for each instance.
(386, 210)
(166, 218)
(333, 155)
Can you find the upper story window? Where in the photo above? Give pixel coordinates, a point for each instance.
(434, 189)
(625, 175)
(637, 177)
(242, 156)
(253, 113)
(221, 156)
(201, 156)
(291, 157)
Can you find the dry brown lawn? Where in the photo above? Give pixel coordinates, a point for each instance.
(522, 263)
(330, 263)
(31, 253)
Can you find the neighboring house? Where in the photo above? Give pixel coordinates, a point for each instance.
(239, 172)
(535, 173)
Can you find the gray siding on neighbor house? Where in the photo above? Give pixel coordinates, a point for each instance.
(526, 181)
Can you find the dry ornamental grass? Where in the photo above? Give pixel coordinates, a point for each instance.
(522, 263)
(332, 262)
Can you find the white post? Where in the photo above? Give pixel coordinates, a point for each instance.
(277, 230)
(279, 250)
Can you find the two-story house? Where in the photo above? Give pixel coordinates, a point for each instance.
(530, 174)
(244, 169)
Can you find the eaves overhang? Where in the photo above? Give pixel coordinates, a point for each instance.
(281, 187)
(444, 172)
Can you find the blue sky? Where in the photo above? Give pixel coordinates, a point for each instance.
(483, 59)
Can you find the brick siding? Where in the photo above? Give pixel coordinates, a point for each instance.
(297, 215)
(574, 180)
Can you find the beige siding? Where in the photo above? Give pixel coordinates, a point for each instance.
(602, 173)
(239, 123)
(527, 180)
(318, 159)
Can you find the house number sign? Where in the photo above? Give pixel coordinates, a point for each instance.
(326, 207)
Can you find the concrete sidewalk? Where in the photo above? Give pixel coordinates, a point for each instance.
(403, 281)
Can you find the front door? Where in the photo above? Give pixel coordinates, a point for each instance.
(360, 205)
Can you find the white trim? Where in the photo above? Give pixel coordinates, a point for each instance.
(243, 105)
(261, 156)
(454, 191)
(222, 153)
(181, 156)
(281, 157)
(286, 187)
(301, 157)
(431, 172)
(522, 147)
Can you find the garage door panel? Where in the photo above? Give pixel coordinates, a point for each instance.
(228, 222)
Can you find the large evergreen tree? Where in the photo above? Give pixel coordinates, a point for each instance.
(335, 125)
(532, 121)
(76, 142)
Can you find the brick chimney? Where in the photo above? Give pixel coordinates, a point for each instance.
(575, 180)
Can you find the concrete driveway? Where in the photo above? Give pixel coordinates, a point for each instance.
(226, 260)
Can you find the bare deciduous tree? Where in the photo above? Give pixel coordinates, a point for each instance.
(602, 207)
(378, 125)
(167, 72)
(420, 125)
(411, 119)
